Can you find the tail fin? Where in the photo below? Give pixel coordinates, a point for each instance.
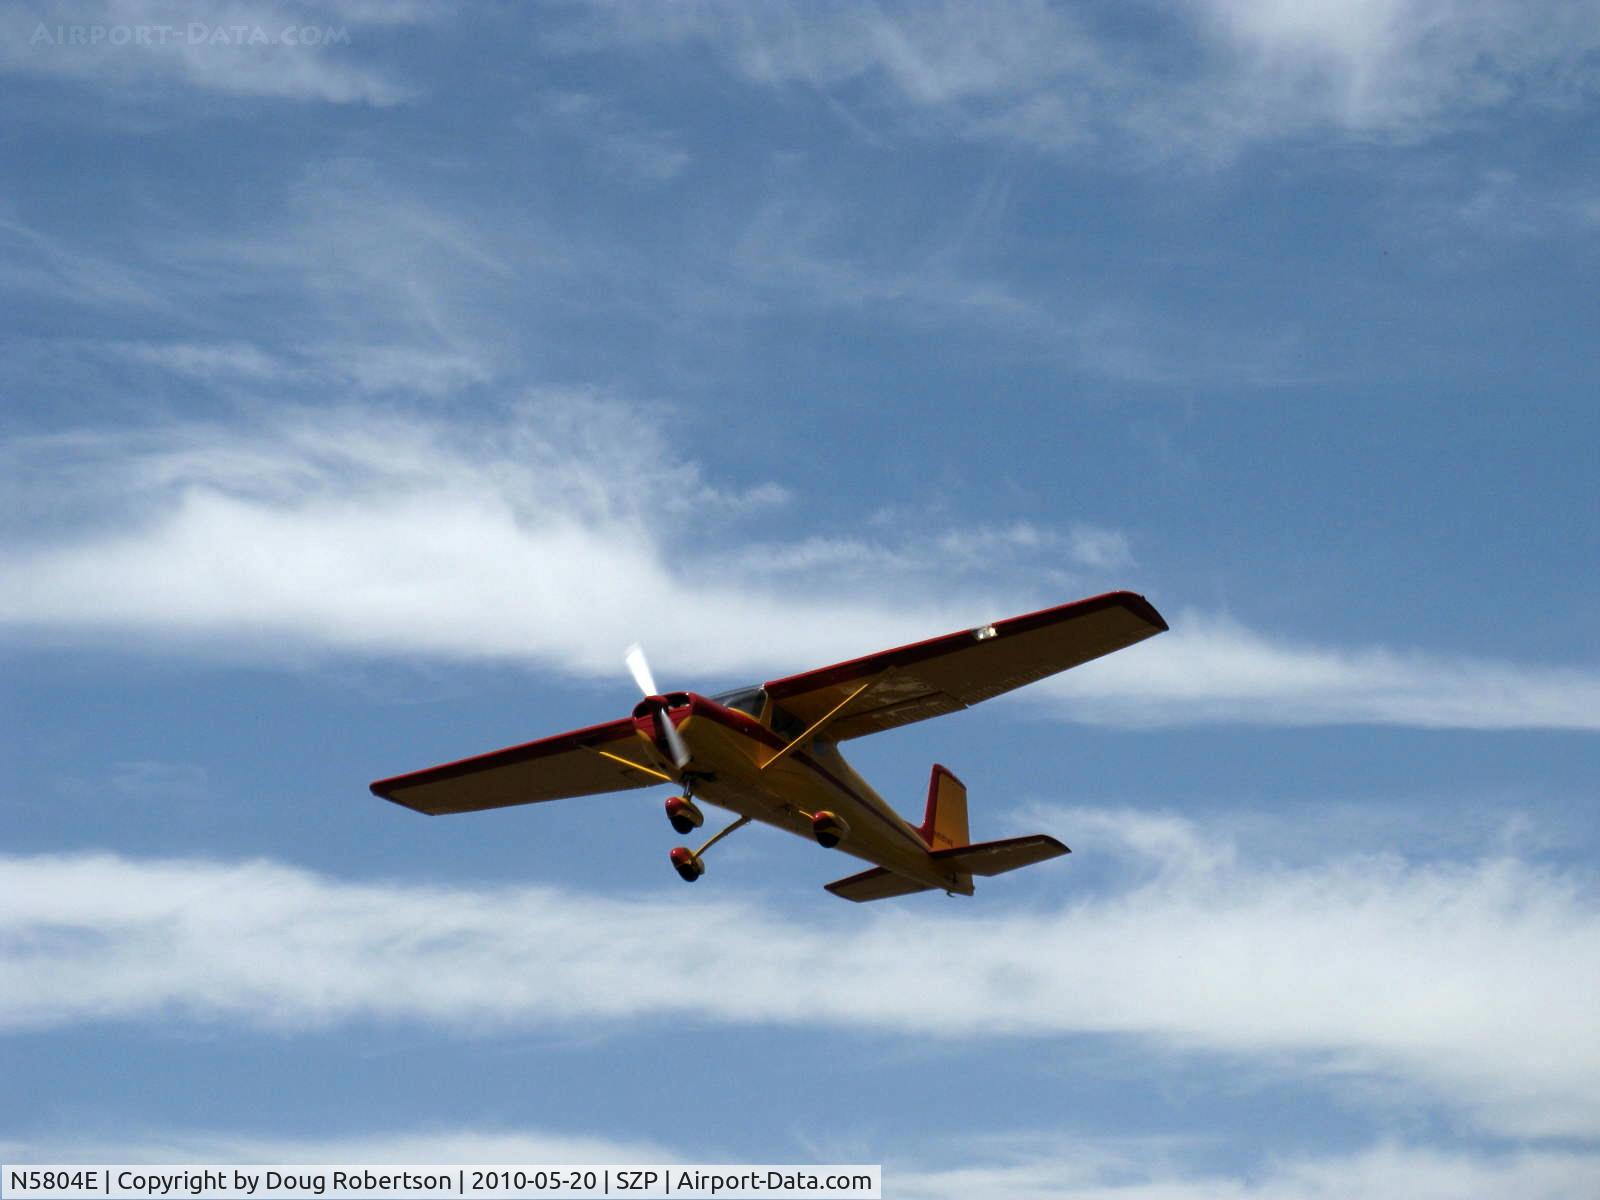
(944, 822)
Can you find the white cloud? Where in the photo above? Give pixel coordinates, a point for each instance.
(1096, 547)
(533, 538)
(1404, 67)
(290, 52)
(1214, 669)
(1469, 983)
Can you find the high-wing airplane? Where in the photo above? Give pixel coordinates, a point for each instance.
(770, 753)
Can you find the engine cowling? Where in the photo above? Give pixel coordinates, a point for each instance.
(829, 829)
(684, 814)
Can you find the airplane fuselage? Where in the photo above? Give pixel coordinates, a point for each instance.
(737, 765)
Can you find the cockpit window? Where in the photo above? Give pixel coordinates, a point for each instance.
(749, 700)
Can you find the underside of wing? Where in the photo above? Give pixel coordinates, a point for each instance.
(953, 672)
(584, 762)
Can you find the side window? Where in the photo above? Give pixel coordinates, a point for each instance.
(786, 723)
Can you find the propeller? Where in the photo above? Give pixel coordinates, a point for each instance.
(640, 668)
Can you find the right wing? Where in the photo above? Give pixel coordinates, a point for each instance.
(947, 674)
(553, 768)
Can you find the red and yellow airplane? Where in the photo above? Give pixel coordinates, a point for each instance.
(769, 753)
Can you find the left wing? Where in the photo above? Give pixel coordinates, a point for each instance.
(553, 768)
(946, 674)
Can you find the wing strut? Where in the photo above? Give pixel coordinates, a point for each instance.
(820, 722)
(628, 762)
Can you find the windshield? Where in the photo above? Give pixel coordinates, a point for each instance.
(747, 700)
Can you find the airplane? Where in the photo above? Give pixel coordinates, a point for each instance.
(770, 753)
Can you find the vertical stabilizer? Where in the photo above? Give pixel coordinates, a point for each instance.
(944, 822)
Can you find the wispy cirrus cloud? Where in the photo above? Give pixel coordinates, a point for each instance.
(532, 536)
(619, 144)
(800, 250)
(310, 299)
(37, 263)
(1064, 78)
(1465, 982)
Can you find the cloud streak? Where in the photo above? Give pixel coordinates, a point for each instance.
(537, 537)
(1469, 982)
(1213, 669)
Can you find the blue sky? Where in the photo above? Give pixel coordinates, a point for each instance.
(362, 401)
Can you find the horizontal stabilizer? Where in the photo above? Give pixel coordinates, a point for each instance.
(985, 858)
(996, 858)
(876, 884)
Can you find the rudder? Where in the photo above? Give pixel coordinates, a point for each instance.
(944, 821)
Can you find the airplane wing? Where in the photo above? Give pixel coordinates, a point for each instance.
(553, 768)
(946, 674)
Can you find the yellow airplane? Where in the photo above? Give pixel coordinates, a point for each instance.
(769, 753)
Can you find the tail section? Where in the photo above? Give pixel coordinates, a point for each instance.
(944, 822)
(953, 855)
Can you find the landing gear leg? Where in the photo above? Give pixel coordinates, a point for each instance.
(688, 863)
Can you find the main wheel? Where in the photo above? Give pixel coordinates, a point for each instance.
(687, 864)
(684, 814)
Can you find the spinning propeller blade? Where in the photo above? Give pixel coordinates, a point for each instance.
(640, 667)
(675, 742)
